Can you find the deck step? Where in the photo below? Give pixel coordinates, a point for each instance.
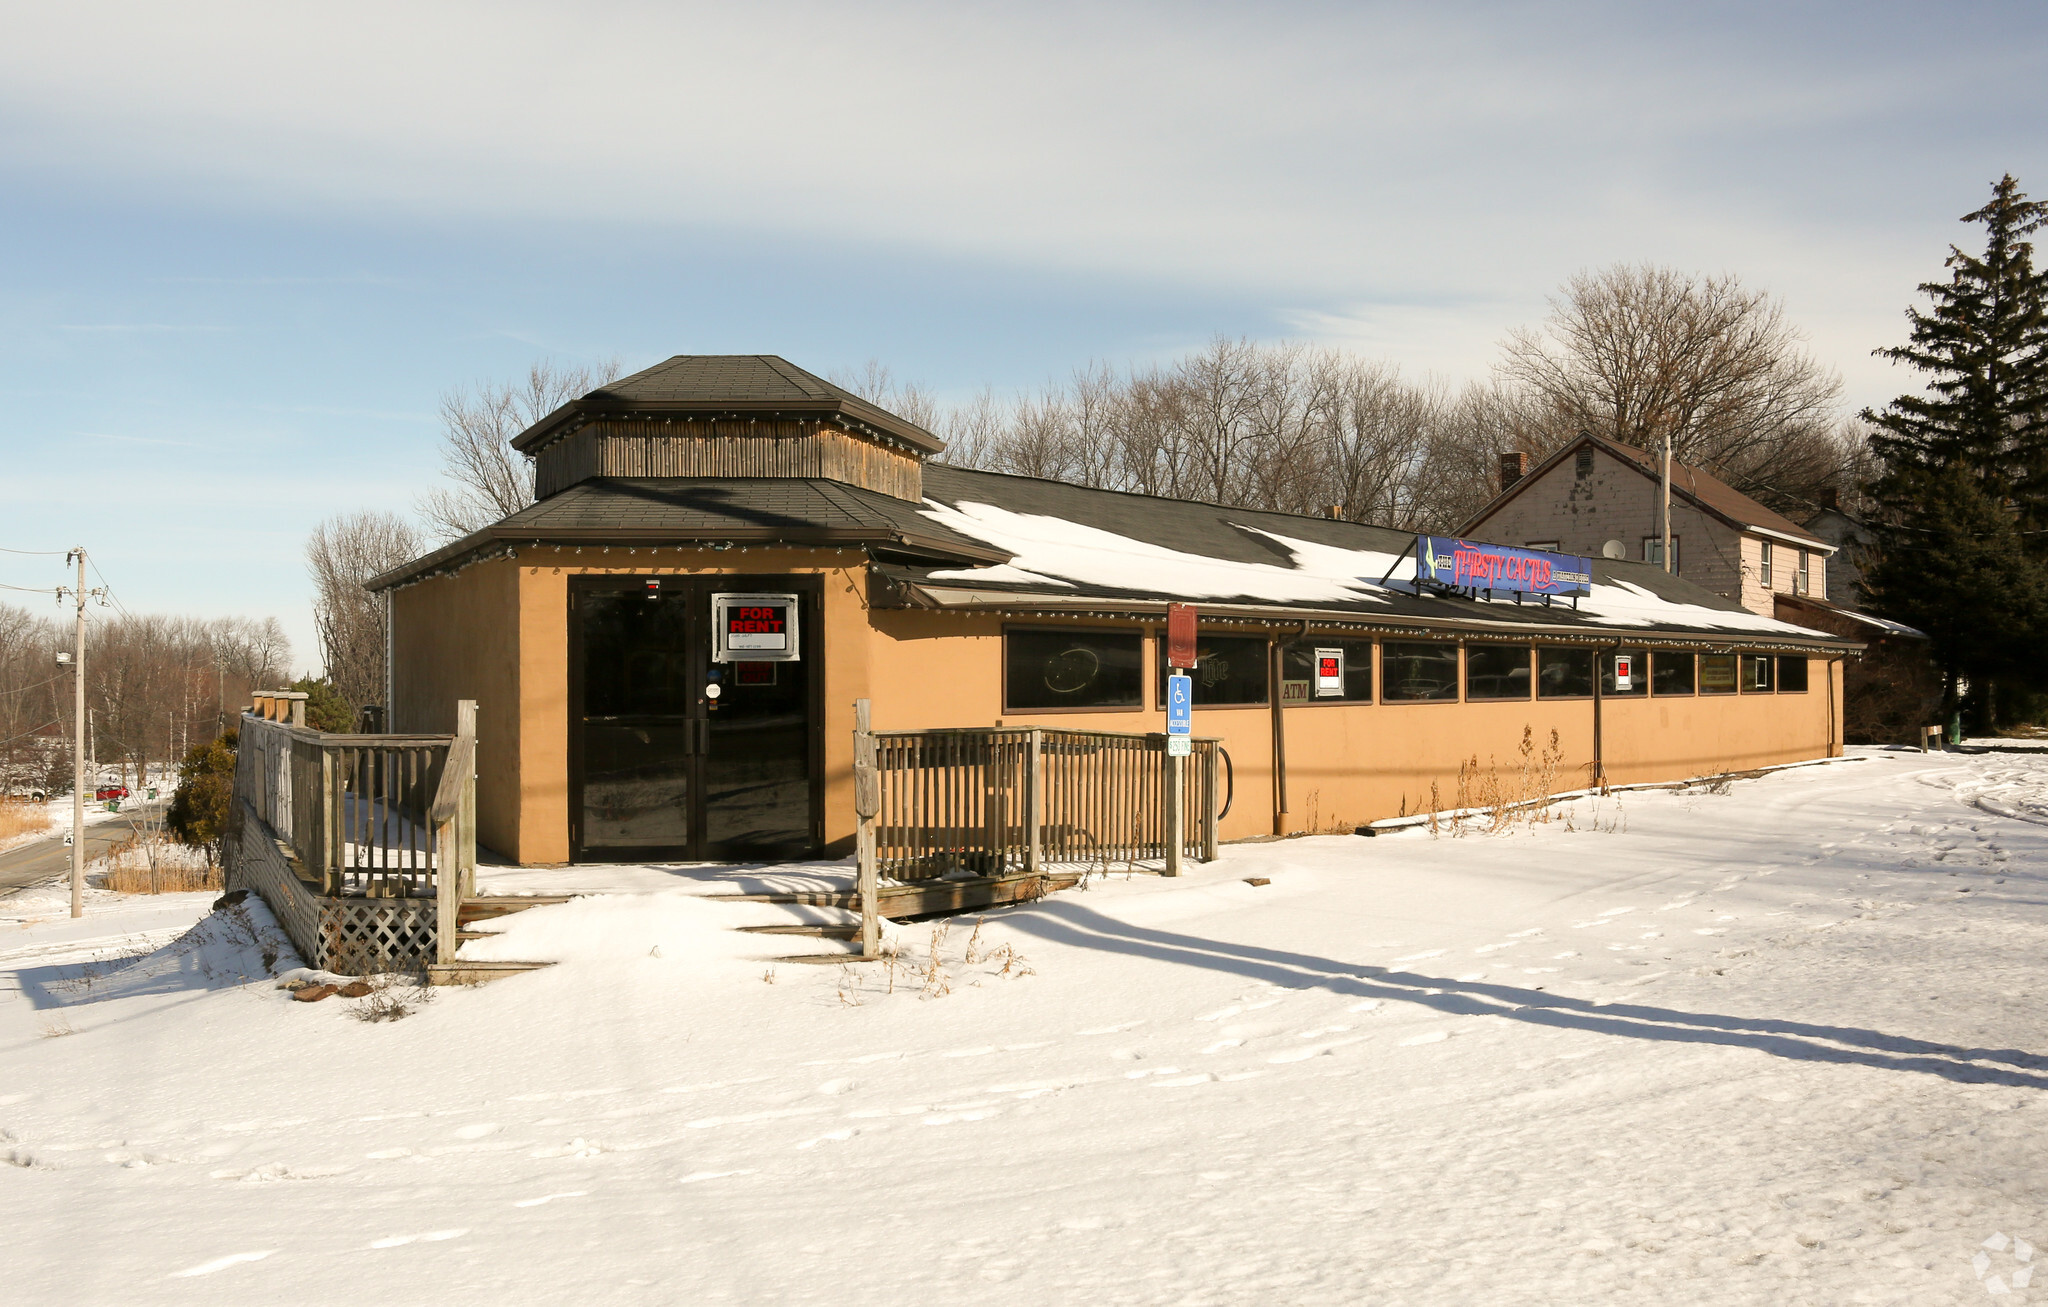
(813, 931)
(805, 898)
(476, 973)
(485, 907)
(824, 959)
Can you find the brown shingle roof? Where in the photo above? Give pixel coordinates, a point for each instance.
(710, 384)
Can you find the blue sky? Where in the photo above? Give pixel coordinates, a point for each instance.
(245, 247)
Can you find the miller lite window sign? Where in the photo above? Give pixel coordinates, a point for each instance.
(1329, 673)
(754, 628)
(1624, 672)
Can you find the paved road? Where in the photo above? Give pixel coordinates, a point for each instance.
(50, 858)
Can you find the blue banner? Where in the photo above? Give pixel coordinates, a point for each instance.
(1470, 565)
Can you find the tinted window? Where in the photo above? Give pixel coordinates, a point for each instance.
(1072, 669)
(1672, 672)
(1756, 673)
(1638, 672)
(1564, 673)
(1228, 669)
(1792, 675)
(1717, 673)
(1418, 671)
(1298, 672)
(1497, 671)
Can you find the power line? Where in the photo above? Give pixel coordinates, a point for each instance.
(37, 553)
(30, 589)
(108, 586)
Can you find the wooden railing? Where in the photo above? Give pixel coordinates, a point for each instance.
(989, 801)
(358, 811)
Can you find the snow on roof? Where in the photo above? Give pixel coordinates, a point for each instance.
(1056, 553)
(1883, 624)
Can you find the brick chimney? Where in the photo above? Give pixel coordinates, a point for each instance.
(1513, 467)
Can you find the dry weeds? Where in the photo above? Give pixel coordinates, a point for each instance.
(154, 863)
(20, 817)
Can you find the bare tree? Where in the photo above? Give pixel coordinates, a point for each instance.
(1638, 353)
(874, 382)
(489, 479)
(343, 553)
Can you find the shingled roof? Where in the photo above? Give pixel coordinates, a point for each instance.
(740, 385)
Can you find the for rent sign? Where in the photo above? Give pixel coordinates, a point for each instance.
(754, 628)
(1470, 565)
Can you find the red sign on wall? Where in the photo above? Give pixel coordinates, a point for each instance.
(1180, 635)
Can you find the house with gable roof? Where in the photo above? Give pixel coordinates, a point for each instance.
(1599, 498)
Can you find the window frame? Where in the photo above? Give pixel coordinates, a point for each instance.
(1653, 545)
(1529, 665)
(1548, 546)
(1700, 674)
(1603, 671)
(1372, 671)
(1764, 572)
(1592, 656)
(1692, 679)
(1457, 694)
(1160, 671)
(1143, 637)
(1803, 578)
(1768, 661)
(1805, 674)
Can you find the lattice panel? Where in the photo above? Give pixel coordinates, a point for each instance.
(360, 936)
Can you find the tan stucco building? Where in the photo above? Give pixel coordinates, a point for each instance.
(727, 552)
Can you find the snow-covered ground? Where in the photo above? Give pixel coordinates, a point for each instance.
(1783, 1043)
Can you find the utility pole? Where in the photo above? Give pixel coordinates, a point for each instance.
(1664, 511)
(78, 745)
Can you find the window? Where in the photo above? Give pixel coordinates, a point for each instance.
(1585, 461)
(1298, 671)
(1805, 585)
(1671, 673)
(1564, 673)
(1756, 673)
(1791, 675)
(1072, 669)
(1638, 672)
(1717, 673)
(1550, 545)
(1229, 669)
(1653, 551)
(1410, 672)
(1497, 671)
(1763, 569)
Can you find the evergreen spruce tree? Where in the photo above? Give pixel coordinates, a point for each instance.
(1962, 521)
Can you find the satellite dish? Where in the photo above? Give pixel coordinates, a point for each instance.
(1614, 549)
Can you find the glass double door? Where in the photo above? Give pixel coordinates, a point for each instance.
(674, 756)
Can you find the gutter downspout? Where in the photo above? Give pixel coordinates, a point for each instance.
(1279, 739)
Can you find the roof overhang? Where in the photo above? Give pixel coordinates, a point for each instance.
(924, 594)
(501, 540)
(853, 414)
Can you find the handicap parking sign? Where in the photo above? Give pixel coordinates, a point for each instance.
(1180, 713)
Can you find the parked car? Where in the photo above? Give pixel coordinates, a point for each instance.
(110, 792)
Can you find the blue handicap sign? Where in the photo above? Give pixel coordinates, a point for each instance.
(1180, 705)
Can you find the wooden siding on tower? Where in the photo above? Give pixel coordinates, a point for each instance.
(726, 449)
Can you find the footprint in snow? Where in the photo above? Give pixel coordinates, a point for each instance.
(1432, 1037)
(1111, 1030)
(696, 1177)
(1222, 1012)
(983, 1050)
(221, 1263)
(833, 1088)
(1222, 1044)
(1183, 1082)
(388, 1154)
(479, 1130)
(1364, 1005)
(830, 1137)
(1320, 1031)
(1313, 1050)
(1418, 957)
(1524, 934)
(548, 1198)
(432, 1236)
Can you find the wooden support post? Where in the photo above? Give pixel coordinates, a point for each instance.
(465, 724)
(1211, 790)
(867, 802)
(1034, 803)
(455, 795)
(1176, 812)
